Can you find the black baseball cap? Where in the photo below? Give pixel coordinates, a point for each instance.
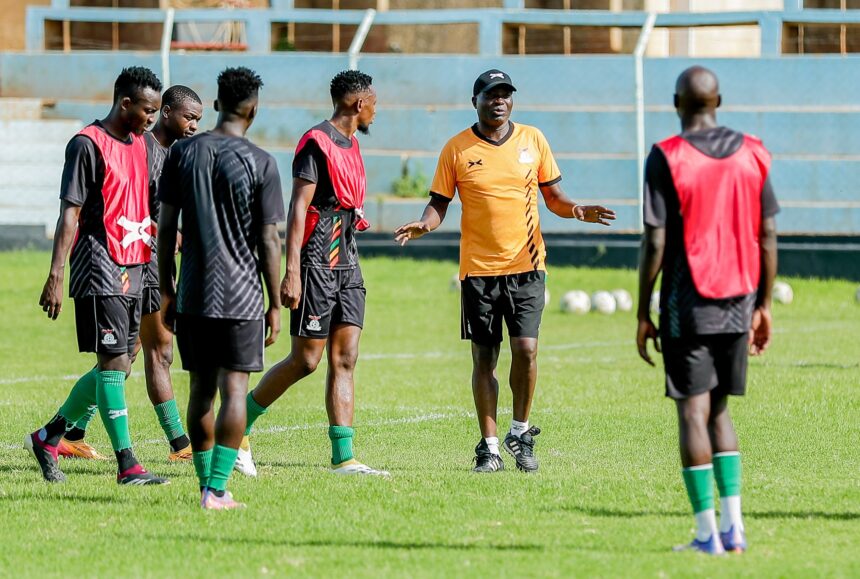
(491, 78)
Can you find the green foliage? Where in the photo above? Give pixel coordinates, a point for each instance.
(608, 500)
(411, 184)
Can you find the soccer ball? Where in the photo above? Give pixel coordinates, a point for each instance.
(576, 301)
(546, 296)
(655, 302)
(782, 292)
(455, 283)
(623, 299)
(603, 302)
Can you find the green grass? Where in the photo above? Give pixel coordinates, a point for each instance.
(607, 501)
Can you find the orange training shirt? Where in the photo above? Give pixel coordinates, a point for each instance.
(498, 184)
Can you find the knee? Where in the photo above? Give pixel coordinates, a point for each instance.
(525, 351)
(344, 362)
(306, 363)
(162, 354)
(695, 416)
(484, 359)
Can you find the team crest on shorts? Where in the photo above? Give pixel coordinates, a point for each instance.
(314, 324)
(108, 338)
(525, 155)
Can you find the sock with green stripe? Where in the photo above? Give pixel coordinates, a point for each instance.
(254, 411)
(202, 465)
(727, 472)
(171, 424)
(223, 459)
(341, 443)
(110, 395)
(700, 488)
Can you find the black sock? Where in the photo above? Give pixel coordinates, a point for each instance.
(178, 443)
(55, 429)
(125, 459)
(75, 434)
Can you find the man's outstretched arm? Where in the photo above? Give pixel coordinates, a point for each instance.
(432, 218)
(560, 204)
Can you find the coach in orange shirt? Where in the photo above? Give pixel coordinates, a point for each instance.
(497, 168)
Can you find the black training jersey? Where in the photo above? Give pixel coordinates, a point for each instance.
(683, 312)
(226, 189)
(335, 228)
(156, 153)
(93, 270)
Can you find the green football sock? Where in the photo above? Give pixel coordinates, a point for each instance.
(203, 465)
(341, 443)
(168, 418)
(85, 420)
(727, 471)
(254, 411)
(700, 486)
(223, 459)
(81, 398)
(110, 393)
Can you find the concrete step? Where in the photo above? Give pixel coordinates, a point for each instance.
(17, 109)
(38, 131)
(30, 177)
(32, 153)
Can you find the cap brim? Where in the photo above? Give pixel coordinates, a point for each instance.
(499, 83)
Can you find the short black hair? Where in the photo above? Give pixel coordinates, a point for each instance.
(349, 82)
(236, 85)
(178, 94)
(132, 80)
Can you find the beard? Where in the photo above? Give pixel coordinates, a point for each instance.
(364, 129)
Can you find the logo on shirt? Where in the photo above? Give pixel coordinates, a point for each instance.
(134, 231)
(314, 324)
(108, 338)
(473, 163)
(525, 155)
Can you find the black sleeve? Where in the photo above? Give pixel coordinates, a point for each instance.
(271, 196)
(170, 183)
(439, 197)
(658, 187)
(769, 205)
(305, 165)
(80, 171)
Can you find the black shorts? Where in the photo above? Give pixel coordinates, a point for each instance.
(151, 300)
(207, 343)
(705, 363)
(329, 297)
(107, 324)
(517, 298)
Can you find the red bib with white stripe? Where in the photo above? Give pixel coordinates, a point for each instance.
(346, 171)
(720, 201)
(126, 196)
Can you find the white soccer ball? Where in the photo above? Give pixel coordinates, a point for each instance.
(655, 302)
(455, 283)
(546, 296)
(623, 300)
(603, 302)
(576, 301)
(782, 292)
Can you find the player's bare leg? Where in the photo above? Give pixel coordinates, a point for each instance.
(519, 442)
(157, 344)
(485, 390)
(727, 471)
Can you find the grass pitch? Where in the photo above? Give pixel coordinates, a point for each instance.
(608, 500)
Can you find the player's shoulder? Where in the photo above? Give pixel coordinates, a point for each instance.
(461, 140)
(528, 131)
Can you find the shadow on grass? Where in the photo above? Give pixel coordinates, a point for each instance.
(382, 544)
(803, 515)
(616, 513)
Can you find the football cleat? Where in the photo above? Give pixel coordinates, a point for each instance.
(712, 546)
(522, 449)
(138, 476)
(486, 461)
(78, 449)
(46, 456)
(244, 460)
(352, 466)
(734, 541)
(209, 501)
(181, 455)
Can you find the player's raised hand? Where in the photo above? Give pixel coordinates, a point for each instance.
(291, 290)
(594, 214)
(273, 325)
(409, 231)
(51, 299)
(760, 331)
(647, 330)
